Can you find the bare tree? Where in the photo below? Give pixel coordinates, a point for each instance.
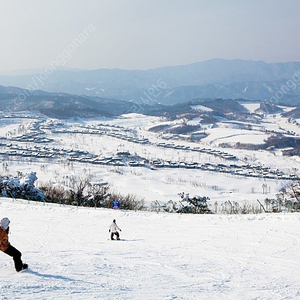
(79, 184)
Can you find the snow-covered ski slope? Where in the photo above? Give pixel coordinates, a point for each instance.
(164, 256)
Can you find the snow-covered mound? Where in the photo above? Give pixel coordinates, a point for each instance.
(21, 186)
(163, 256)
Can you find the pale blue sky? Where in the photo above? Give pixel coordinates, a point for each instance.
(140, 34)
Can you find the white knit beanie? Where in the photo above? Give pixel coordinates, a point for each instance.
(4, 223)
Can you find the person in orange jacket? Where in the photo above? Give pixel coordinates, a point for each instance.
(7, 248)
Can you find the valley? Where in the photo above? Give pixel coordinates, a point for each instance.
(156, 165)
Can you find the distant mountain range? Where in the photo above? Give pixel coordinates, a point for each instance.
(63, 105)
(217, 78)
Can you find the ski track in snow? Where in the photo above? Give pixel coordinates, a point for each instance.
(163, 256)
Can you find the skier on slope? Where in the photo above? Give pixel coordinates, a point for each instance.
(7, 248)
(113, 229)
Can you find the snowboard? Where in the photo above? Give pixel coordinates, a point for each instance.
(25, 268)
(12, 271)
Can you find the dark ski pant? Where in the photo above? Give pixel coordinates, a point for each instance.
(16, 255)
(114, 233)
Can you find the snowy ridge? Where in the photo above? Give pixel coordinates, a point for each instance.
(164, 256)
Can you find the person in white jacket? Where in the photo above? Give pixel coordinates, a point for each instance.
(113, 229)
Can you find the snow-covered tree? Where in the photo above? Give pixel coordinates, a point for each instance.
(21, 186)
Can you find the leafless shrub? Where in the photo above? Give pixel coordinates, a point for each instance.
(233, 207)
(54, 193)
(85, 193)
(129, 201)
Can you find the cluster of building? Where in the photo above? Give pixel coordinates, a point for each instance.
(37, 134)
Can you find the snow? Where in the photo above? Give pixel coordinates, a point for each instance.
(201, 108)
(231, 135)
(163, 256)
(23, 184)
(251, 106)
(160, 184)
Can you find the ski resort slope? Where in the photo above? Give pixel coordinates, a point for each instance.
(162, 256)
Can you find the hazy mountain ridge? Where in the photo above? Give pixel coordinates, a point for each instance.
(253, 90)
(63, 106)
(216, 78)
(60, 105)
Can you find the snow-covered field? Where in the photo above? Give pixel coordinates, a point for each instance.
(163, 256)
(159, 184)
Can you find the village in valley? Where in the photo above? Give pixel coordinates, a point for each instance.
(130, 144)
